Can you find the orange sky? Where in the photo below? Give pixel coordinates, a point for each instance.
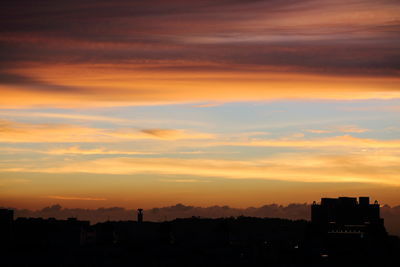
(151, 103)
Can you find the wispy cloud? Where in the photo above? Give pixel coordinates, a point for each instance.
(172, 87)
(176, 134)
(351, 129)
(13, 132)
(341, 129)
(208, 105)
(76, 198)
(386, 108)
(76, 150)
(363, 167)
(135, 123)
(316, 131)
(78, 117)
(345, 141)
(245, 50)
(182, 181)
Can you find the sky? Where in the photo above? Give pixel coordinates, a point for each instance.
(224, 102)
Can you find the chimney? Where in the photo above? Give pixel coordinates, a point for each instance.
(140, 215)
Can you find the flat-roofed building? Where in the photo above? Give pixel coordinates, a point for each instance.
(347, 216)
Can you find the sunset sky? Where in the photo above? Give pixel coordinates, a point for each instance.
(202, 102)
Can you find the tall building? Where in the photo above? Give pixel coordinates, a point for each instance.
(347, 216)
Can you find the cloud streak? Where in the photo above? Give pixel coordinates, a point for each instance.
(381, 168)
(14, 132)
(138, 53)
(76, 198)
(344, 141)
(343, 129)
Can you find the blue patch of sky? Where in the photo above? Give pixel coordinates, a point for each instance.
(279, 118)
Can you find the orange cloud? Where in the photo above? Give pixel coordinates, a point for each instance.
(13, 132)
(176, 134)
(318, 131)
(76, 198)
(373, 108)
(76, 150)
(345, 141)
(77, 117)
(343, 129)
(209, 105)
(351, 129)
(247, 50)
(181, 180)
(362, 168)
(132, 86)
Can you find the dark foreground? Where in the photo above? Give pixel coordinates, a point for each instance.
(241, 241)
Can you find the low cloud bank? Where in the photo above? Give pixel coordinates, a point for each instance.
(291, 211)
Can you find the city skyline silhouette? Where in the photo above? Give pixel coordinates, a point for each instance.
(343, 230)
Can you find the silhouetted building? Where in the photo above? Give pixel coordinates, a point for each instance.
(241, 241)
(346, 215)
(6, 226)
(105, 233)
(349, 231)
(140, 215)
(50, 232)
